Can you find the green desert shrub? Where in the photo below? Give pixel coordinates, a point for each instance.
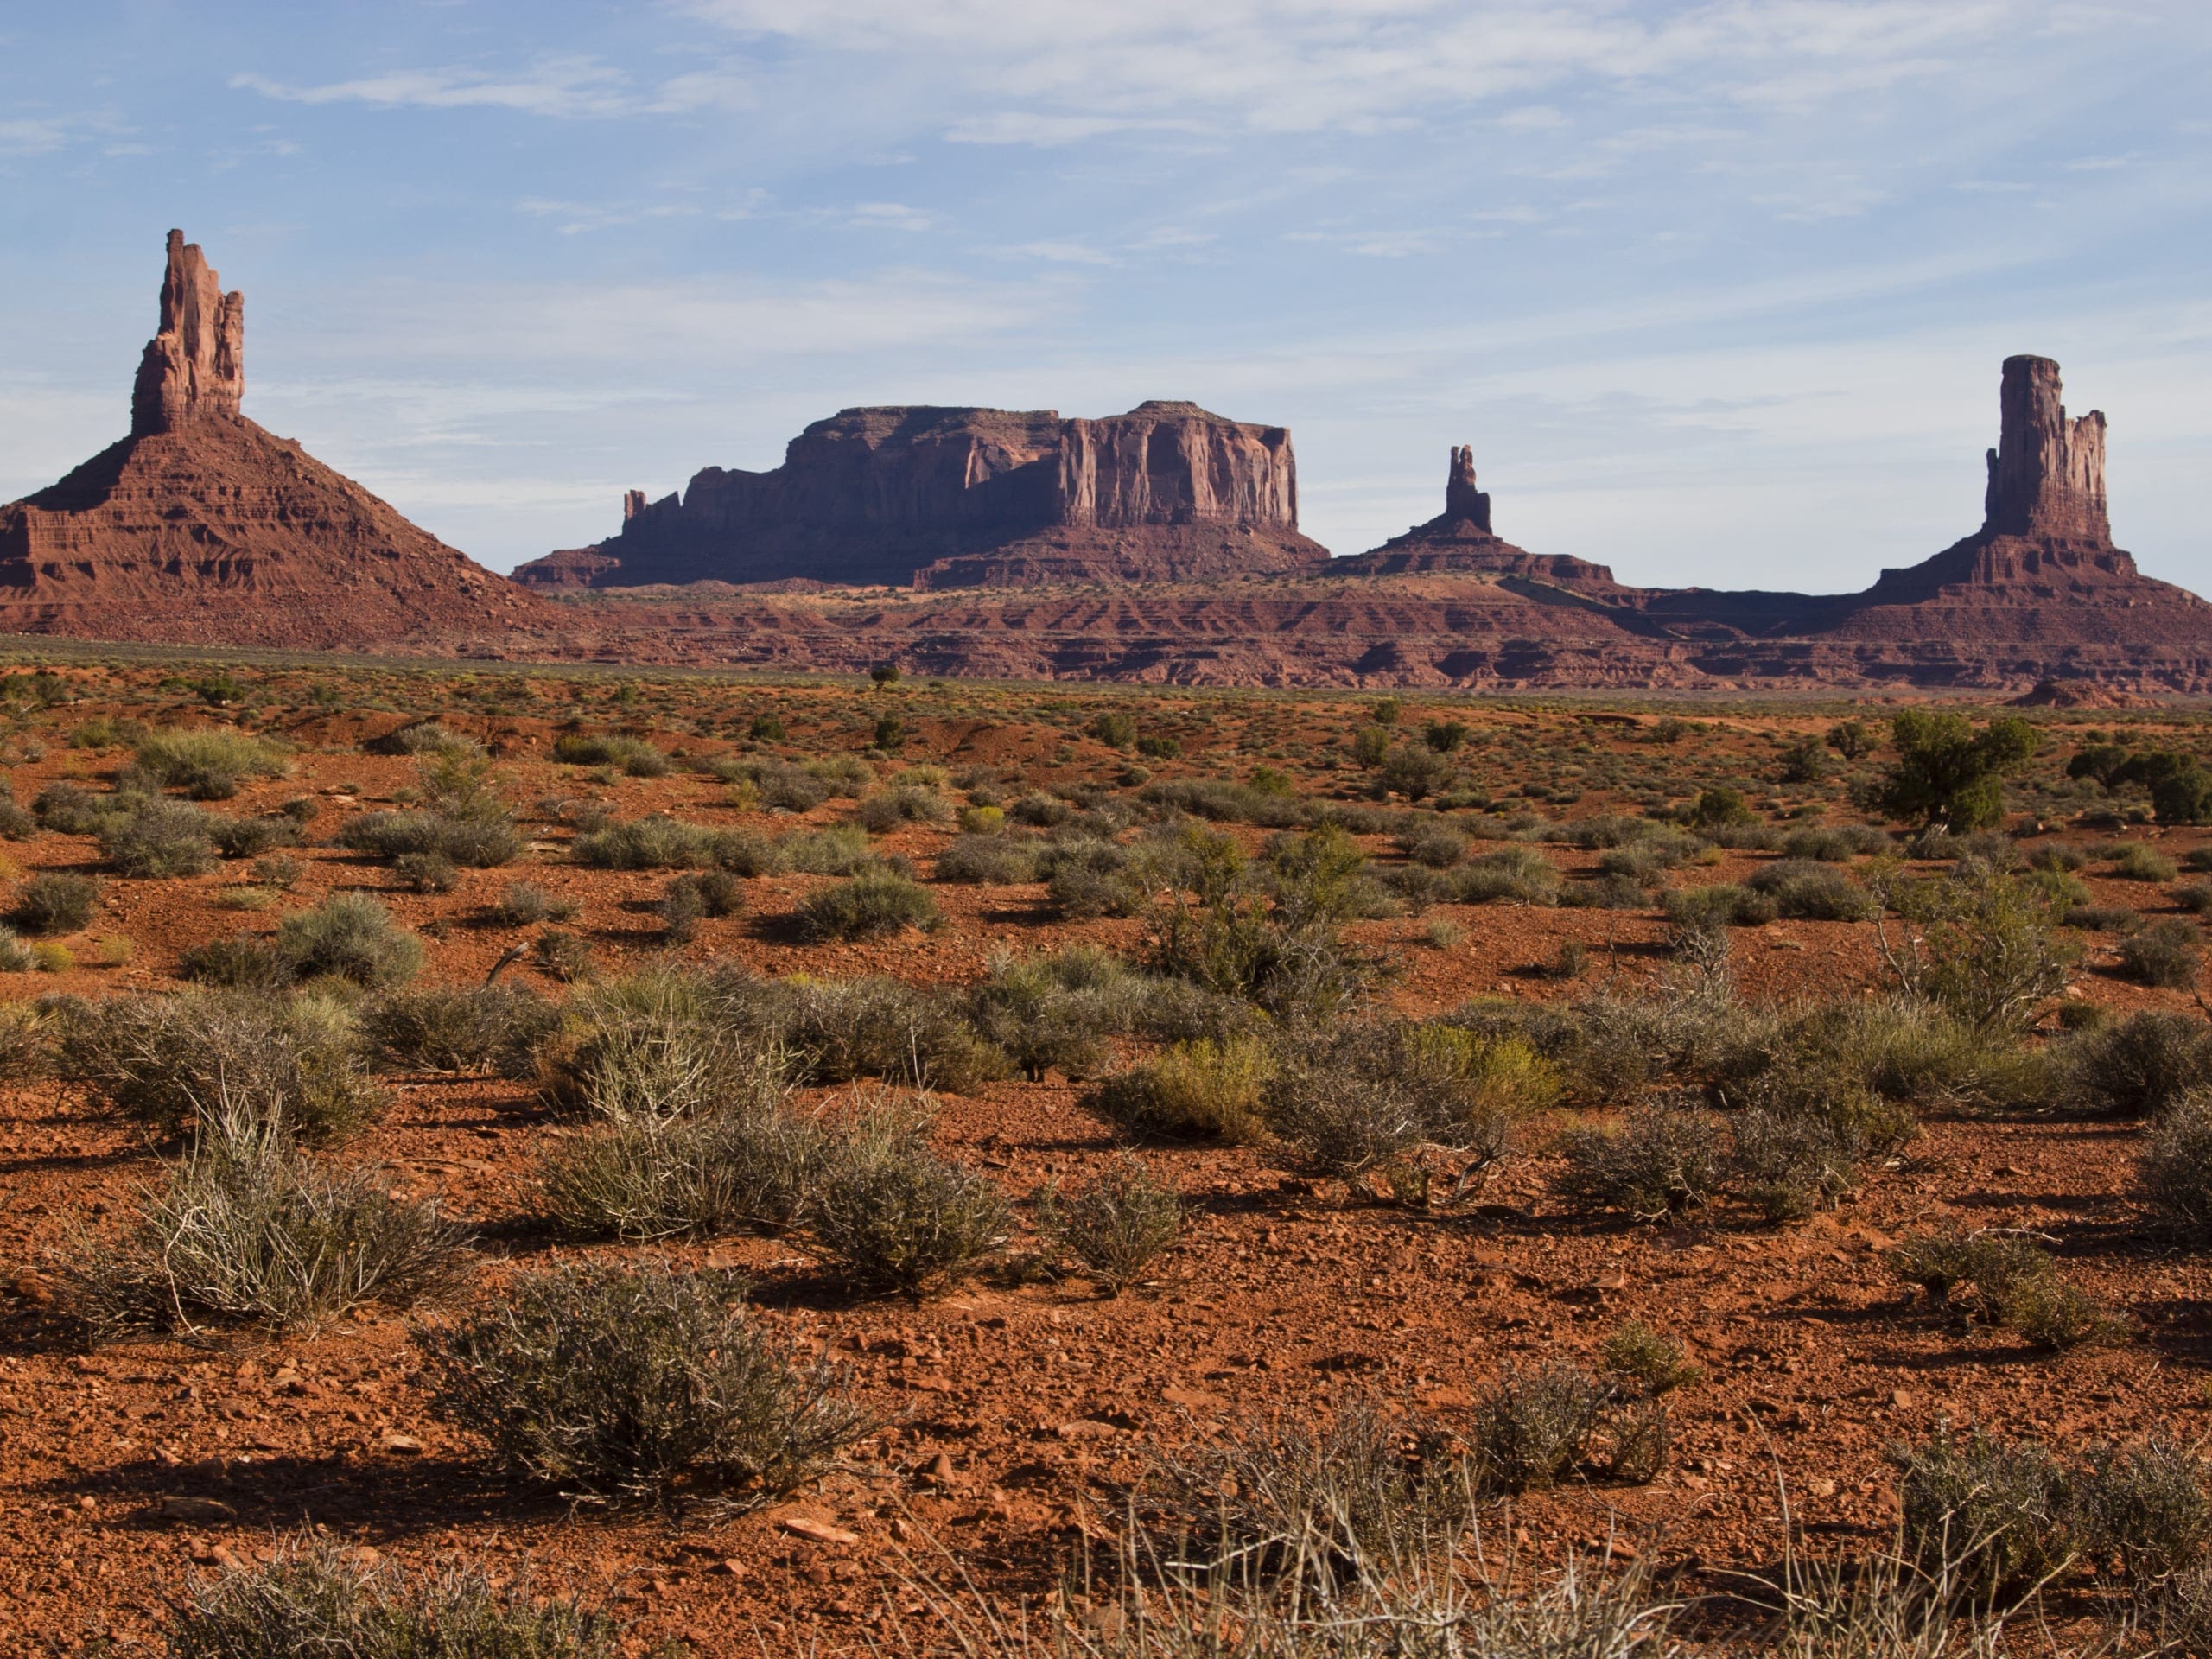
(1361, 1103)
(1647, 1362)
(1362, 1491)
(1202, 1088)
(839, 850)
(2167, 954)
(54, 902)
(2144, 1506)
(251, 837)
(155, 838)
(2138, 1067)
(351, 936)
(2137, 861)
(1804, 890)
(843, 1030)
(868, 906)
(689, 899)
(2003, 1280)
(896, 808)
(619, 1384)
(632, 754)
(1980, 944)
(523, 903)
(475, 843)
(172, 1062)
(990, 860)
(209, 766)
(1710, 910)
(495, 1028)
(1518, 875)
(247, 1231)
(892, 1215)
(1115, 1226)
(316, 1599)
(1835, 843)
(656, 842)
(68, 808)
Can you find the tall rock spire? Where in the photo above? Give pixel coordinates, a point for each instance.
(1461, 499)
(193, 367)
(2047, 474)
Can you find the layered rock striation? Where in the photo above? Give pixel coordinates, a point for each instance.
(201, 527)
(947, 497)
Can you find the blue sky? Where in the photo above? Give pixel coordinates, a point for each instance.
(1717, 291)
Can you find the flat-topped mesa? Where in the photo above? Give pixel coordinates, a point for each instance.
(1461, 499)
(963, 497)
(2047, 474)
(194, 366)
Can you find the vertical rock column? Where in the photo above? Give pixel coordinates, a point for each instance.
(2047, 474)
(1461, 499)
(194, 366)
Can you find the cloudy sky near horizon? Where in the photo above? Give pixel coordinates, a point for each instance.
(1717, 289)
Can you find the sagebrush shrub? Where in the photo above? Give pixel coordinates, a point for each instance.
(656, 842)
(633, 754)
(895, 1215)
(646, 1177)
(1511, 874)
(619, 1384)
(990, 860)
(2144, 1506)
(155, 838)
(656, 1044)
(208, 764)
(1664, 1160)
(2004, 1279)
(314, 1599)
(842, 1030)
(2174, 1171)
(2168, 954)
(54, 902)
(1655, 1364)
(524, 905)
(1531, 1429)
(1117, 1225)
(352, 935)
(170, 1061)
(1988, 1517)
(247, 1231)
(495, 1028)
(868, 906)
(1362, 1491)
(2139, 1065)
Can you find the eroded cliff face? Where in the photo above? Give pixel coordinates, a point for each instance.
(959, 497)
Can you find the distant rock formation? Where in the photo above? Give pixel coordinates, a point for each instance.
(1462, 502)
(202, 528)
(1460, 541)
(950, 498)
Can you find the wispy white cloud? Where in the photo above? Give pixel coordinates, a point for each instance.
(1057, 74)
(566, 87)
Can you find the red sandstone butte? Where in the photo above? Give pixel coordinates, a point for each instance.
(203, 528)
(932, 497)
